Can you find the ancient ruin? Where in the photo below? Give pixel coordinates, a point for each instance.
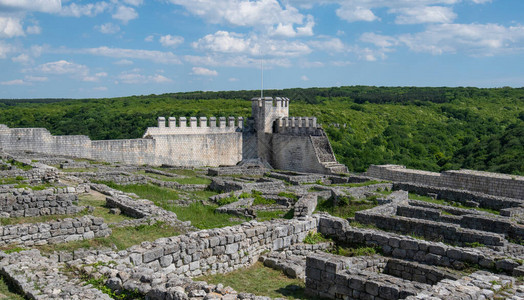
(84, 219)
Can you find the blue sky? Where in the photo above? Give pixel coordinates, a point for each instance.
(80, 49)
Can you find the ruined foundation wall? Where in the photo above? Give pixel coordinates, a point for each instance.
(36, 203)
(485, 182)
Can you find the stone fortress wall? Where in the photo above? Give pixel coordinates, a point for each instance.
(270, 136)
(485, 182)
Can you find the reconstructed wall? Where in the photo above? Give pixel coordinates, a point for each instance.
(28, 203)
(484, 182)
(189, 146)
(67, 230)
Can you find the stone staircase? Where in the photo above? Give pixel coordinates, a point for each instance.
(326, 156)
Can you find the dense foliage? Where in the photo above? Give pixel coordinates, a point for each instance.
(426, 128)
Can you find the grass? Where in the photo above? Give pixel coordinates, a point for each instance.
(20, 165)
(356, 251)
(261, 281)
(271, 215)
(343, 211)
(314, 238)
(448, 203)
(122, 238)
(98, 201)
(366, 183)
(201, 216)
(288, 195)
(12, 180)
(193, 179)
(204, 216)
(79, 170)
(7, 291)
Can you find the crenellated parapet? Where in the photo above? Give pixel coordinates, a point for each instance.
(297, 126)
(194, 125)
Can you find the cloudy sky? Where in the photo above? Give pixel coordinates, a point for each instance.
(81, 48)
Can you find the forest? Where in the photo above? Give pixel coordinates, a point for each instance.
(428, 128)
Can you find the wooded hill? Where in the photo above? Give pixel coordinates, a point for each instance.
(424, 128)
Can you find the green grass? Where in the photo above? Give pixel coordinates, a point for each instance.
(345, 211)
(260, 281)
(314, 238)
(204, 216)
(7, 291)
(193, 180)
(122, 238)
(366, 183)
(201, 216)
(448, 203)
(79, 170)
(100, 209)
(277, 214)
(289, 195)
(356, 251)
(12, 180)
(20, 165)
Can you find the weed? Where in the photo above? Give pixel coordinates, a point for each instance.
(314, 238)
(288, 195)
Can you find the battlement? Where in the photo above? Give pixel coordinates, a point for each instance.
(278, 102)
(297, 125)
(196, 125)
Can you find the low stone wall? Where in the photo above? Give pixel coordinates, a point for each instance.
(40, 278)
(404, 247)
(230, 185)
(28, 203)
(485, 182)
(461, 196)
(335, 277)
(66, 230)
(448, 233)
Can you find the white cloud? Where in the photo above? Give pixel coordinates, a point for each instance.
(304, 78)
(378, 40)
(14, 82)
(312, 64)
(90, 10)
(47, 6)
(152, 55)
(351, 14)
(473, 39)
(204, 71)
(424, 14)
(62, 67)
(234, 43)
(237, 61)
(268, 15)
(101, 74)
(159, 78)
(125, 14)
(149, 38)
(134, 77)
(232, 79)
(134, 2)
(36, 78)
(171, 41)
(22, 58)
(10, 27)
(123, 62)
(328, 44)
(100, 88)
(34, 29)
(108, 28)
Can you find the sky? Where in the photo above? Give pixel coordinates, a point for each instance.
(111, 48)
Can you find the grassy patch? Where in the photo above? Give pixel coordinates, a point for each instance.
(261, 281)
(20, 165)
(448, 203)
(345, 210)
(8, 291)
(227, 200)
(201, 216)
(314, 238)
(193, 180)
(270, 215)
(159, 195)
(99, 203)
(355, 251)
(122, 238)
(79, 170)
(366, 183)
(288, 195)
(12, 180)
(204, 216)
